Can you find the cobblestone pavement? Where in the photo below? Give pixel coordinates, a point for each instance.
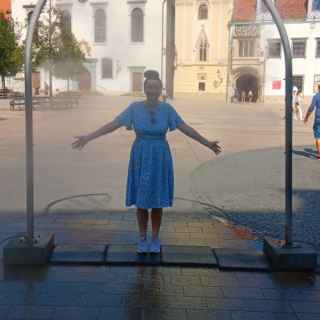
(249, 190)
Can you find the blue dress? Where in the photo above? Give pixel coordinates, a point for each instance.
(150, 181)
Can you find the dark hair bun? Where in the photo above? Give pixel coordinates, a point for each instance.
(152, 75)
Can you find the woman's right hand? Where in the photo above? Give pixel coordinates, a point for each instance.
(80, 142)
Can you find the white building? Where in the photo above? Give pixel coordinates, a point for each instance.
(121, 39)
(304, 36)
(258, 62)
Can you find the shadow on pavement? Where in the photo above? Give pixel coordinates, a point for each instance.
(307, 153)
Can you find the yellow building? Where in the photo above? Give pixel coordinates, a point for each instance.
(202, 44)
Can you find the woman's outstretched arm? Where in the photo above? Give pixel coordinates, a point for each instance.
(192, 133)
(81, 141)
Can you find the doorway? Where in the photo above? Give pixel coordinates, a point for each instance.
(247, 82)
(85, 80)
(137, 77)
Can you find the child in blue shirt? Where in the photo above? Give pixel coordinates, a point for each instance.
(315, 107)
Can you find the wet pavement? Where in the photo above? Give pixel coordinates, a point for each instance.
(115, 292)
(155, 293)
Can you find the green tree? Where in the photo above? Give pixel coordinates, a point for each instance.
(56, 47)
(11, 58)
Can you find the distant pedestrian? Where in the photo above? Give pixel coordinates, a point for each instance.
(46, 89)
(315, 107)
(296, 104)
(243, 96)
(235, 97)
(250, 95)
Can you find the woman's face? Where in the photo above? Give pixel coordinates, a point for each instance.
(153, 90)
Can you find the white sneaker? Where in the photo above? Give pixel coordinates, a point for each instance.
(155, 246)
(143, 246)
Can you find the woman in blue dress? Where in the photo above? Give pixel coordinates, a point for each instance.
(150, 181)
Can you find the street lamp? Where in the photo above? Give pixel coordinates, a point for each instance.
(29, 9)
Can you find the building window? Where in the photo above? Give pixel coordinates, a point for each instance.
(274, 49)
(202, 46)
(203, 50)
(316, 82)
(246, 47)
(66, 21)
(298, 81)
(202, 86)
(107, 68)
(318, 48)
(137, 25)
(100, 25)
(299, 48)
(203, 12)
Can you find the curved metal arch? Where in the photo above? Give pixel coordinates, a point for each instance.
(29, 125)
(28, 120)
(288, 71)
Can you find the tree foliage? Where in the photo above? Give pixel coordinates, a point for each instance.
(10, 52)
(55, 43)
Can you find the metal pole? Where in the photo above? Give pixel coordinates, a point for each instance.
(288, 61)
(170, 48)
(230, 57)
(162, 37)
(50, 51)
(29, 120)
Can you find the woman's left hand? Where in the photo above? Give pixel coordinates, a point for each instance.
(215, 147)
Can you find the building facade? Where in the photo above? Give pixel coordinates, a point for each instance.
(5, 7)
(121, 39)
(257, 61)
(202, 46)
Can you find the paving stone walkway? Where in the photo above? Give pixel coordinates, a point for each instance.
(79, 292)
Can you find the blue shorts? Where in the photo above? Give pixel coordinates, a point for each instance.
(316, 130)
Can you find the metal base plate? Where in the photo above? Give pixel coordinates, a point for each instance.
(297, 258)
(19, 252)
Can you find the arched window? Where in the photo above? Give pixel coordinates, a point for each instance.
(202, 47)
(100, 25)
(107, 68)
(203, 12)
(137, 25)
(203, 50)
(66, 21)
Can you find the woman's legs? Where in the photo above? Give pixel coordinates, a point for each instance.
(299, 113)
(142, 217)
(156, 215)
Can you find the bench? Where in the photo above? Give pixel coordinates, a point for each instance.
(61, 101)
(71, 98)
(18, 103)
(6, 93)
